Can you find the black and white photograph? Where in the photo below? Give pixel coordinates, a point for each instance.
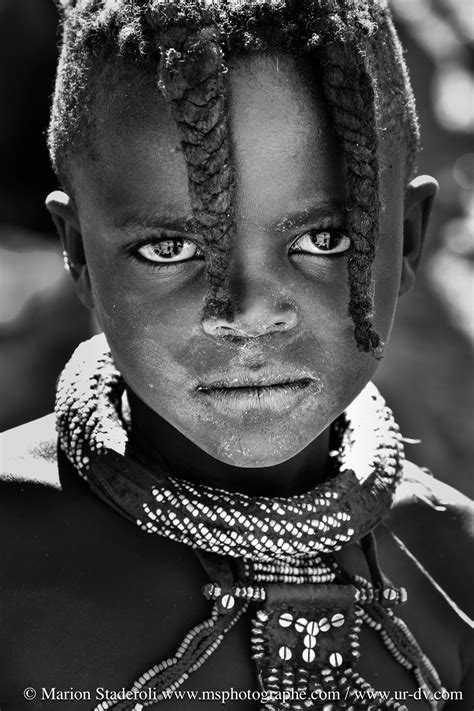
(236, 364)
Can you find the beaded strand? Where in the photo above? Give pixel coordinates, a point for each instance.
(167, 676)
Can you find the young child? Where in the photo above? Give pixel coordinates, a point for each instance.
(240, 210)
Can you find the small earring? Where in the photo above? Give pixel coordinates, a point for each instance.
(378, 351)
(66, 261)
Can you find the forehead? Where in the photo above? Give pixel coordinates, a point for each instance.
(285, 153)
(281, 132)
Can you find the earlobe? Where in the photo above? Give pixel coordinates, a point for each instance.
(62, 210)
(419, 198)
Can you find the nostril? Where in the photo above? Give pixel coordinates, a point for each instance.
(215, 327)
(231, 329)
(252, 323)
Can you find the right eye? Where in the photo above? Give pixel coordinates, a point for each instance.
(321, 243)
(169, 250)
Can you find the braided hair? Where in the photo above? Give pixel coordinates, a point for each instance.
(186, 44)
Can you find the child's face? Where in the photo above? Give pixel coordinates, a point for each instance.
(292, 323)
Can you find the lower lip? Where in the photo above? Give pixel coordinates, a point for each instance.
(271, 398)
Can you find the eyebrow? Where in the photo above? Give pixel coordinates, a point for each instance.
(301, 218)
(153, 222)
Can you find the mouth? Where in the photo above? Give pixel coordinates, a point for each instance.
(268, 392)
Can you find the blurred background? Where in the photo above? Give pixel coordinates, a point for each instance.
(426, 374)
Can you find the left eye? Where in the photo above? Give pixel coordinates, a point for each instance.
(169, 250)
(321, 242)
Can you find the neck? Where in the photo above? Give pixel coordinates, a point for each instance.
(156, 440)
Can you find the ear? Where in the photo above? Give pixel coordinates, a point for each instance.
(62, 210)
(419, 198)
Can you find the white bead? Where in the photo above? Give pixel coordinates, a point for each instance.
(309, 641)
(286, 619)
(337, 620)
(312, 628)
(335, 659)
(301, 624)
(227, 602)
(308, 655)
(285, 653)
(324, 625)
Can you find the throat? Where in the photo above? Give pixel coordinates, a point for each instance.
(155, 441)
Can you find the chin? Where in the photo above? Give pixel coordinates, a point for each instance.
(251, 460)
(254, 451)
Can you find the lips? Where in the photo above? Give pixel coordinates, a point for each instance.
(247, 378)
(245, 391)
(249, 383)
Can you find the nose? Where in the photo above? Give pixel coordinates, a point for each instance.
(260, 308)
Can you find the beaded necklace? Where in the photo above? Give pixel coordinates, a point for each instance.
(275, 554)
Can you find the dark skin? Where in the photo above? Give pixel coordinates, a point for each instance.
(91, 601)
(95, 601)
(291, 296)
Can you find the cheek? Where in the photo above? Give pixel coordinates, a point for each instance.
(387, 274)
(323, 304)
(388, 262)
(331, 343)
(147, 321)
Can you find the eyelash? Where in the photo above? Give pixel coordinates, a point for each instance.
(331, 232)
(134, 251)
(199, 256)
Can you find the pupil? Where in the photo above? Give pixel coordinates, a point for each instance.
(322, 240)
(169, 248)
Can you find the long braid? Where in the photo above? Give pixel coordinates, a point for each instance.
(397, 107)
(351, 100)
(191, 76)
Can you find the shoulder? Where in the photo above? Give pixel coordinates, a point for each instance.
(29, 455)
(29, 476)
(436, 524)
(32, 503)
(421, 498)
(420, 490)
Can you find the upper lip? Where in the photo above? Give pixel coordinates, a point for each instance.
(262, 379)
